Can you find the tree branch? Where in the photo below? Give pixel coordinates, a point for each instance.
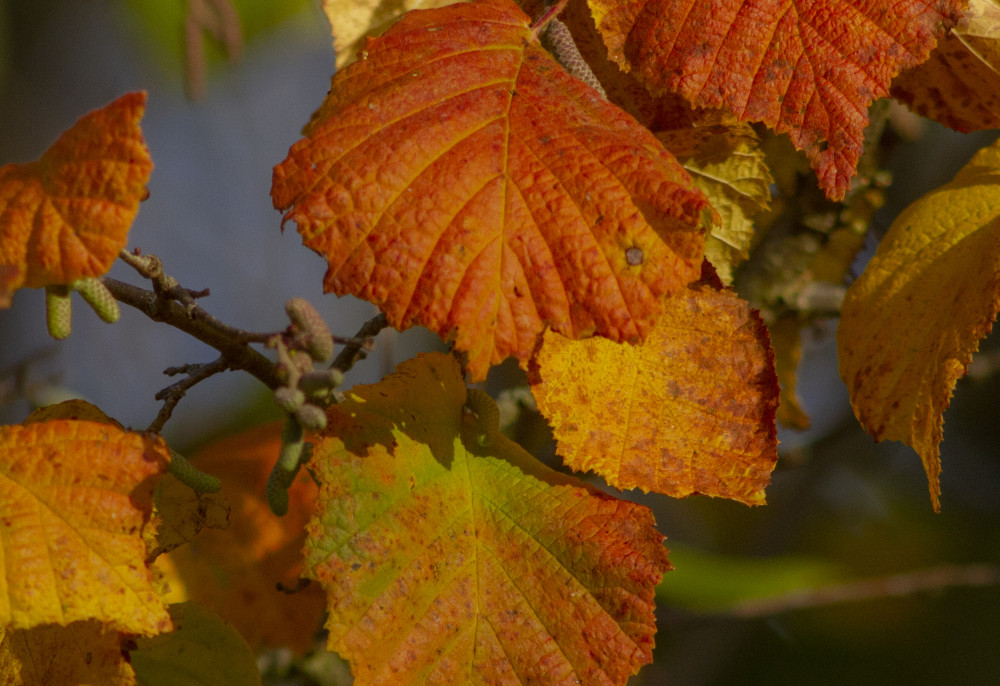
(231, 343)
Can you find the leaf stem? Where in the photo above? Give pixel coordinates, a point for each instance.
(551, 13)
(358, 348)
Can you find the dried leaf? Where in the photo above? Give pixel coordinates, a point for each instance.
(85, 652)
(75, 497)
(690, 410)
(959, 85)
(67, 215)
(808, 69)
(910, 323)
(460, 179)
(234, 572)
(452, 556)
(727, 164)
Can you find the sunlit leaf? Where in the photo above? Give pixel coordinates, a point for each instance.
(352, 20)
(727, 164)
(85, 652)
(806, 68)
(959, 85)
(235, 571)
(202, 649)
(460, 179)
(911, 322)
(690, 410)
(74, 499)
(66, 216)
(451, 556)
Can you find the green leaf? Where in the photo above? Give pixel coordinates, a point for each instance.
(201, 650)
(451, 559)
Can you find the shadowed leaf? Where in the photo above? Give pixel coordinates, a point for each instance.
(451, 556)
(85, 652)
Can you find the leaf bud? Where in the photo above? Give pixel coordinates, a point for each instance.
(289, 399)
(58, 312)
(97, 295)
(310, 417)
(316, 336)
(321, 380)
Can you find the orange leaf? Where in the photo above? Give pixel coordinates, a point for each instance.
(452, 556)
(808, 69)
(460, 179)
(691, 410)
(959, 85)
(74, 499)
(85, 652)
(235, 571)
(67, 216)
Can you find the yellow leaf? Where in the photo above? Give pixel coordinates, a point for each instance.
(690, 410)
(75, 497)
(353, 20)
(82, 653)
(66, 217)
(727, 165)
(786, 336)
(911, 322)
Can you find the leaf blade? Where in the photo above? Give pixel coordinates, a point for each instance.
(445, 562)
(460, 179)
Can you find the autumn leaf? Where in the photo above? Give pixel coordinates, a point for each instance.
(353, 20)
(786, 337)
(451, 556)
(460, 179)
(84, 652)
(959, 85)
(202, 649)
(182, 514)
(74, 499)
(66, 216)
(808, 69)
(910, 323)
(727, 164)
(234, 572)
(690, 410)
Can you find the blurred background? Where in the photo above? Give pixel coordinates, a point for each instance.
(843, 514)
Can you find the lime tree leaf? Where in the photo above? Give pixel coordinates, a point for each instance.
(202, 649)
(449, 555)
(75, 497)
(66, 216)
(959, 85)
(910, 323)
(802, 67)
(235, 572)
(85, 652)
(460, 179)
(690, 410)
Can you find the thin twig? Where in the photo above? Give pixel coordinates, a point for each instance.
(172, 394)
(359, 348)
(230, 342)
(897, 585)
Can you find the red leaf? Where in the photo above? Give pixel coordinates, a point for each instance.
(460, 179)
(808, 68)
